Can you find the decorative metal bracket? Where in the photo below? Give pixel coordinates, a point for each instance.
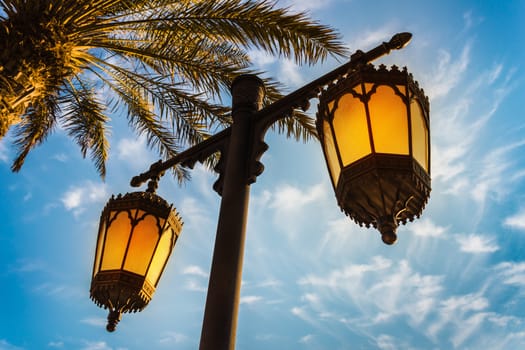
(263, 119)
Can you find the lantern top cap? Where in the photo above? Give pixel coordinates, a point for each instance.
(400, 40)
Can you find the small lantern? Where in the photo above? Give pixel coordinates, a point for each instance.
(374, 129)
(137, 234)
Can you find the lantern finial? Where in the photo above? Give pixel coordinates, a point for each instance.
(387, 227)
(114, 318)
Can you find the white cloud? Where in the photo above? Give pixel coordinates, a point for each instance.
(76, 198)
(307, 339)
(135, 153)
(513, 273)
(55, 344)
(476, 244)
(61, 157)
(96, 345)
(464, 312)
(195, 271)
(195, 286)
(468, 109)
(370, 38)
(289, 73)
(311, 298)
(408, 293)
(468, 327)
(386, 342)
(59, 290)
(271, 282)
(516, 221)
(261, 58)
(448, 73)
(291, 199)
(73, 198)
(492, 178)
(340, 233)
(250, 299)
(4, 153)
(339, 278)
(173, 338)
(5, 345)
(426, 228)
(301, 313)
(27, 265)
(307, 5)
(98, 322)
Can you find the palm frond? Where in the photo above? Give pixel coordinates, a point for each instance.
(36, 125)
(85, 122)
(167, 62)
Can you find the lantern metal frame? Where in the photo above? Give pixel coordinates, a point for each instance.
(379, 189)
(117, 289)
(241, 147)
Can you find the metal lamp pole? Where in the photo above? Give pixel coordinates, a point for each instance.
(241, 147)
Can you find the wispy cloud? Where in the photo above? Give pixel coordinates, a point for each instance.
(448, 72)
(134, 152)
(4, 153)
(512, 273)
(464, 313)
(307, 5)
(364, 286)
(98, 345)
(291, 199)
(56, 344)
(173, 338)
(474, 243)
(60, 157)
(307, 339)
(426, 228)
(251, 299)
(5, 345)
(195, 270)
(516, 221)
(77, 197)
(27, 265)
(371, 37)
(195, 286)
(94, 321)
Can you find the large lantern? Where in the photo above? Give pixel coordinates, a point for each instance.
(136, 236)
(374, 129)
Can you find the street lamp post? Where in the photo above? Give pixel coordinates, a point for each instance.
(399, 184)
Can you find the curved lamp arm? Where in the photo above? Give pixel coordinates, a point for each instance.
(267, 116)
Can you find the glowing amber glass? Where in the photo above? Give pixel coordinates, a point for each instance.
(330, 152)
(351, 129)
(388, 117)
(100, 244)
(419, 135)
(117, 237)
(142, 244)
(161, 256)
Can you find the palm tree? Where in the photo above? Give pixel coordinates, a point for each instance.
(163, 61)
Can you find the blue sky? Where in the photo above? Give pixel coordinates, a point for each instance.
(312, 278)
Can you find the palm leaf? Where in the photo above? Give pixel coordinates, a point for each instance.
(85, 122)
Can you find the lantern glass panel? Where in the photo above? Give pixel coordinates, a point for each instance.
(388, 117)
(100, 245)
(351, 129)
(161, 256)
(331, 154)
(419, 135)
(142, 244)
(117, 237)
